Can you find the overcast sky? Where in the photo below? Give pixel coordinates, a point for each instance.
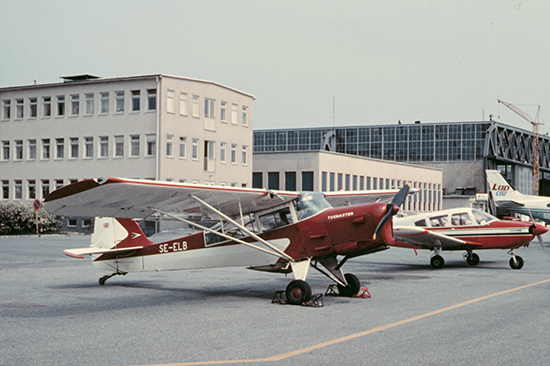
(380, 60)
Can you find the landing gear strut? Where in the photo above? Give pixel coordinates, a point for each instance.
(437, 261)
(104, 279)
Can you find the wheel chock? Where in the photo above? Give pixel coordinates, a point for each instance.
(363, 292)
(316, 300)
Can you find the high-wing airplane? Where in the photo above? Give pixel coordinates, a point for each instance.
(276, 231)
(503, 196)
(464, 229)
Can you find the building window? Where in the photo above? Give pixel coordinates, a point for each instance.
(74, 147)
(170, 103)
(195, 149)
(323, 181)
(103, 146)
(244, 155)
(209, 155)
(223, 152)
(273, 180)
(257, 180)
(5, 189)
(170, 146)
(60, 105)
(307, 181)
(18, 185)
(152, 99)
(47, 106)
(234, 108)
(151, 145)
(183, 147)
(234, 153)
(89, 104)
(45, 188)
(5, 150)
(104, 102)
(332, 182)
(75, 104)
(134, 145)
(195, 108)
(136, 95)
(33, 107)
(31, 189)
(31, 153)
(223, 111)
(6, 103)
(88, 147)
(59, 148)
(290, 181)
(183, 104)
(18, 149)
(209, 108)
(19, 108)
(119, 101)
(58, 183)
(244, 119)
(45, 148)
(119, 146)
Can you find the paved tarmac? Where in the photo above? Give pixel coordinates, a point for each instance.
(53, 312)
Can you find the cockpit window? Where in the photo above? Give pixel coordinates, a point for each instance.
(483, 217)
(311, 203)
(436, 221)
(461, 219)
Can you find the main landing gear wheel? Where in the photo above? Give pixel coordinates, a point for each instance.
(516, 264)
(353, 286)
(437, 262)
(298, 292)
(472, 259)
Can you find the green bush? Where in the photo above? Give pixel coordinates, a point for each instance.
(18, 218)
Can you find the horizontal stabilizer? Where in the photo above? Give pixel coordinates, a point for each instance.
(79, 252)
(503, 203)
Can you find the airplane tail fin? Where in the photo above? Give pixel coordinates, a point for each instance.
(500, 188)
(117, 233)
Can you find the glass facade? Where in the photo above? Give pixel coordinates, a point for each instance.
(412, 143)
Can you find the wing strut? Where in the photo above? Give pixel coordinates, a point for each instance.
(266, 243)
(276, 254)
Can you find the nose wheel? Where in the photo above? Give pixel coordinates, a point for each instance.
(437, 262)
(516, 262)
(353, 286)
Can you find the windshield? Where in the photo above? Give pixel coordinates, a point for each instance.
(311, 203)
(483, 217)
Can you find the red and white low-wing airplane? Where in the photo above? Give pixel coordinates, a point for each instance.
(276, 231)
(464, 229)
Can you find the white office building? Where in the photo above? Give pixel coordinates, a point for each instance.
(148, 127)
(328, 171)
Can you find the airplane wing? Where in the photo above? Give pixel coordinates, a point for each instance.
(350, 198)
(133, 198)
(510, 204)
(423, 238)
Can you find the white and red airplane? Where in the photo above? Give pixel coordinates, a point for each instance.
(276, 231)
(464, 229)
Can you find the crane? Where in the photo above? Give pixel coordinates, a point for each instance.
(535, 148)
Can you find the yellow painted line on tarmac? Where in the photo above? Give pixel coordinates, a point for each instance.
(351, 336)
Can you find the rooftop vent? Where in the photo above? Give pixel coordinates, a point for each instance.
(84, 77)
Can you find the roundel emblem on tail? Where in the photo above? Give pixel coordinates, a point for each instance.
(106, 225)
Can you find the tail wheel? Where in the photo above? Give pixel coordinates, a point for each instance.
(353, 286)
(516, 264)
(437, 262)
(298, 292)
(472, 259)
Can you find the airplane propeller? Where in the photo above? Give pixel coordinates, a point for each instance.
(539, 236)
(392, 208)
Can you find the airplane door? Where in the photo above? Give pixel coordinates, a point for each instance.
(316, 238)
